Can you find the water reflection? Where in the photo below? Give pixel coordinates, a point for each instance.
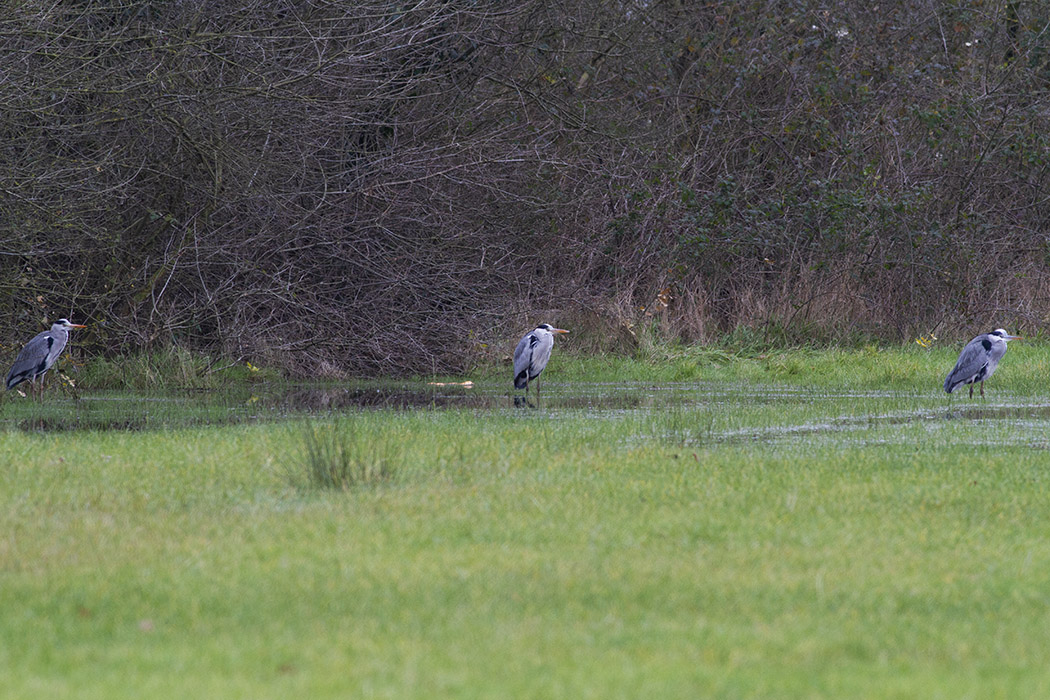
(260, 402)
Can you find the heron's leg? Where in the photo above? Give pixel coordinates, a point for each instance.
(982, 389)
(971, 390)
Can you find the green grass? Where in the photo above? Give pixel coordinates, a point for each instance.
(804, 524)
(1025, 368)
(340, 456)
(175, 367)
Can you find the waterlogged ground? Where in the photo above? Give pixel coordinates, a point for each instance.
(823, 525)
(683, 413)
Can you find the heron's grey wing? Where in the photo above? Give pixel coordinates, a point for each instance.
(972, 358)
(541, 354)
(522, 360)
(32, 360)
(59, 338)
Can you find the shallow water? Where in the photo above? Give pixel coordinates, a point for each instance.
(1025, 420)
(683, 413)
(62, 410)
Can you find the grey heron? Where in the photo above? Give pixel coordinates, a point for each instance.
(978, 360)
(532, 354)
(40, 353)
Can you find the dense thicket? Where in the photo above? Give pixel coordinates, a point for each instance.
(389, 186)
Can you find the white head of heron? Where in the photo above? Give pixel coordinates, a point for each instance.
(1004, 335)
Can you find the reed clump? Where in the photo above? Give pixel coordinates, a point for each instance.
(340, 456)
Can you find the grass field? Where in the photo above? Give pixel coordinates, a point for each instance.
(800, 524)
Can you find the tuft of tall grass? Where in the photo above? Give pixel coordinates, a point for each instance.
(340, 456)
(172, 368)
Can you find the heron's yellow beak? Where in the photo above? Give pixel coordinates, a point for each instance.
(559, 330)
(77, 325)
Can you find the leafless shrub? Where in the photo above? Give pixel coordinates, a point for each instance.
(386, 187)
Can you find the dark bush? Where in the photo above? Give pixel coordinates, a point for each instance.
(380, 187)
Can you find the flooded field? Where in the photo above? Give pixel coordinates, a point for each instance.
(683, 413)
